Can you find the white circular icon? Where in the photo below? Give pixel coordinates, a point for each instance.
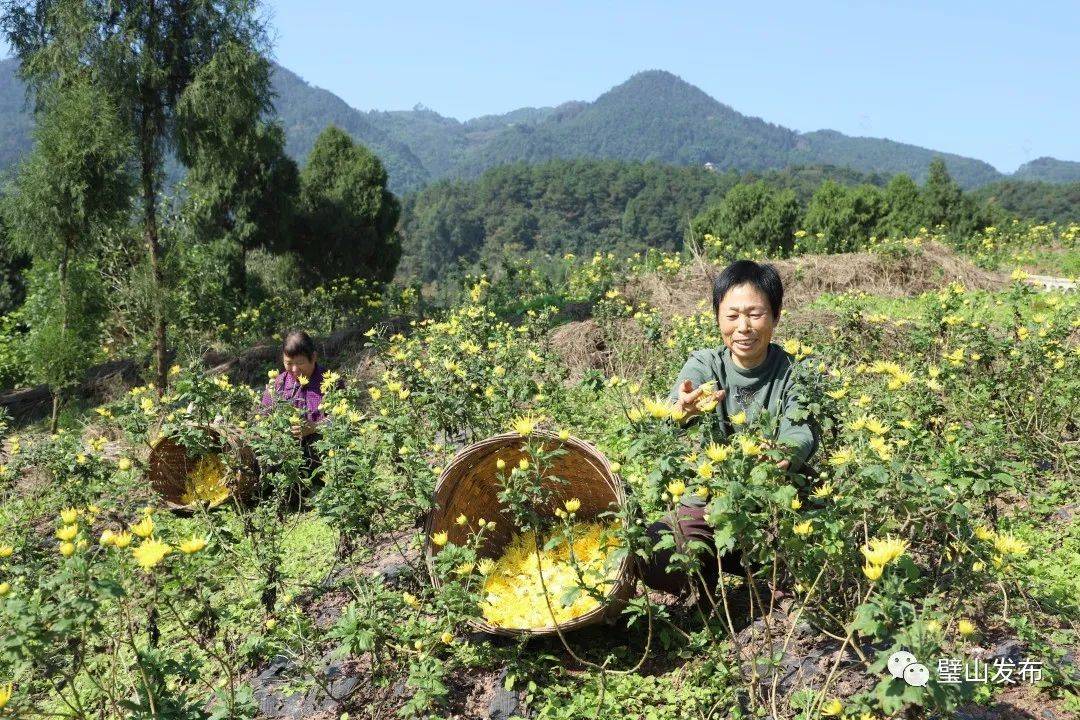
(900, 660)
(916, 674)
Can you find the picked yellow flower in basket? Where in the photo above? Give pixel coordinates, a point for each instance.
(187, 479)
(585, 578)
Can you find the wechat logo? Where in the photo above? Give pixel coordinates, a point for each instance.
(903, 664)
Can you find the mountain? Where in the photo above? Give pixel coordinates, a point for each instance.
(1047, 169)
(886, 156)
(305, 110)
(652, 116)
(16, 122)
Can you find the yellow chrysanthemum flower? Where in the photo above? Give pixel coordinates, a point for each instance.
(873, 572)
(881, 448)
(1009, 544)
(121, 540)
(876, 426)
(880, 551)
(676, 488)
(804, 528)
(572, 505)
(192, 545)
(439, 538)
(749, 446)
(67, 532)
(525, 426)
(707, 404)
(144, 528)
(150, 552)
(69, 516)
(718, 453)
(965, 627)
(832, 708)
(842, 457)
(657, 409)
(738, 418)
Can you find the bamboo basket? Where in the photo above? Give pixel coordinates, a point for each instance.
(170, 462)
(469, 485)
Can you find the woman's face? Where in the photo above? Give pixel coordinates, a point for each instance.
(299, 365)
(746, 324)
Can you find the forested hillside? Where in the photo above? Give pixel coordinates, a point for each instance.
(652, 116)
(587, 206)
(1048, 169)
(1048, 202)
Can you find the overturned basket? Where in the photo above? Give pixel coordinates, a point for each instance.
(469, 486)
(171, 464)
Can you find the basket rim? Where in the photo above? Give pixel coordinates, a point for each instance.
(622, 579)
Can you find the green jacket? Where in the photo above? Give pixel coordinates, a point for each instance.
(770, 385)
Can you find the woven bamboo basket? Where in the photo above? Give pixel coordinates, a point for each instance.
(469, 485)
(170, 463)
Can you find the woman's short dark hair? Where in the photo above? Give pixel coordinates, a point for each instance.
(762, 276)
(299, 343)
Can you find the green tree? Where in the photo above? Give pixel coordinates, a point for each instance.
(905, 214)
(941, 196)
(944, 203)
(752, 217)
(73, 183)
(347, 216)
(445, 227)
(144, 53)
(242, 187)
(845, 217)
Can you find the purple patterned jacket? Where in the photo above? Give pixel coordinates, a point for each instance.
(286, 388)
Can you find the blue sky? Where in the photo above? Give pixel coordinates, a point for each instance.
(993, 80)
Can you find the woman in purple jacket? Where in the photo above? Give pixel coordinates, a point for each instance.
(300, 385)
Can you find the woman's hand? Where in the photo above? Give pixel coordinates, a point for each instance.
(689, 397)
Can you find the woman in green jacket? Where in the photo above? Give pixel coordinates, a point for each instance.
(748, 374)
